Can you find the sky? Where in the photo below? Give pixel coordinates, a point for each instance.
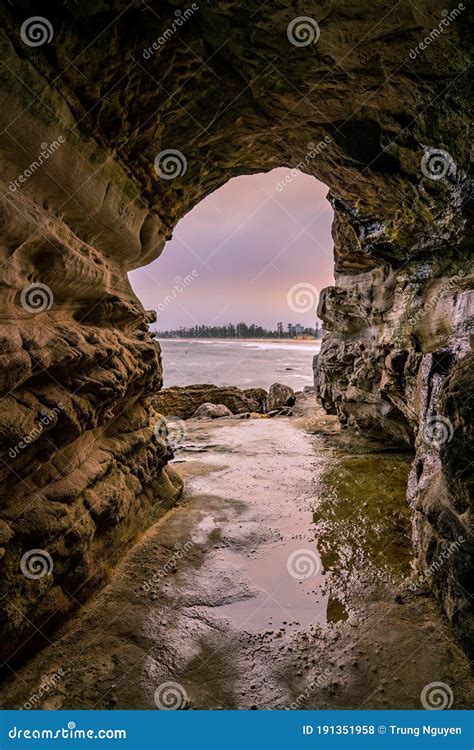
(258, 250)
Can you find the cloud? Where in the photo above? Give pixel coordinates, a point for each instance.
(249, 244)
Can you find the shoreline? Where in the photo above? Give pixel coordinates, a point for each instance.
(244, 363)
(316, 342)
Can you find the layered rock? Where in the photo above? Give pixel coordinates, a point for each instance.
(394, 365)
(88, 116)
(183, 401)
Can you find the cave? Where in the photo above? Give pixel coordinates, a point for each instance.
(116, 121)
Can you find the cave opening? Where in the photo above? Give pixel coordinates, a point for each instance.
(260, 248)
(248, 261)
(237, 94)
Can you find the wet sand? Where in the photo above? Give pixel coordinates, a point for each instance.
(274, 583)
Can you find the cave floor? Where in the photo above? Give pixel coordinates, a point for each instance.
(278, 581)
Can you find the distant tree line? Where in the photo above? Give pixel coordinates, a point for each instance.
(242, 331)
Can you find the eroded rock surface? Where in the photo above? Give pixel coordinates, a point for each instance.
(83, 470)
(182, 401)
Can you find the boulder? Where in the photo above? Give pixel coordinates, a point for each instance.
(212, 411)
(280, 396)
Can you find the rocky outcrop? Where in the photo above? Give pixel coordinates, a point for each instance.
(183, 401)
(115, 123)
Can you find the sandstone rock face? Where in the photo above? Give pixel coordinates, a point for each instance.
(89, 116)
(406, 378)
(279, 396)
(212, 411)
(182, 401)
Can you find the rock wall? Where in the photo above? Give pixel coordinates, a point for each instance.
(395, 365)
(115, 122)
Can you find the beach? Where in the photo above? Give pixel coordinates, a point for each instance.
(245, 363)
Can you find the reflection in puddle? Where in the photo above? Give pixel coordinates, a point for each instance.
(280, 602)
(301, 561)
(362, 522)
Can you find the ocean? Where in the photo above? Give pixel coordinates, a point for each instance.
(244, 363)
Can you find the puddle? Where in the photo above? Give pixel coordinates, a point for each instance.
(273, 585)
(285, 600)
(304, 546)
(362, 522)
